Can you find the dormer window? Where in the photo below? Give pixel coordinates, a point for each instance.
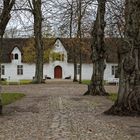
(16, 56)
(57, 56)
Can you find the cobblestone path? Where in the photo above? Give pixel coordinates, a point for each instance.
(59, 112)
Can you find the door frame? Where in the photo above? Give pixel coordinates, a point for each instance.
(58, 70)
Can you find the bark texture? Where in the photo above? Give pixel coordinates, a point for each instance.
(4, 19)
(38, 40)
(128, 102)
(75, 65)
(79, 38)
(98, 53)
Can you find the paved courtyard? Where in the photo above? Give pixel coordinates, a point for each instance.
(58, 111)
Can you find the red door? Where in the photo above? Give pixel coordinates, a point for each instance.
(58, 72)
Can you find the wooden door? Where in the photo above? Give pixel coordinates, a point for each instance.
(58, 72)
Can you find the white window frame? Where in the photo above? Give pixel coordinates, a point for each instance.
(114, 69)
(2, 69)
(19, 69)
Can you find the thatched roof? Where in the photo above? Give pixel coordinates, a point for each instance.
(70, 45)
(112, 45)
(8, 45)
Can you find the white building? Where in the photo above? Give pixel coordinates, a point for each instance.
(13, 66)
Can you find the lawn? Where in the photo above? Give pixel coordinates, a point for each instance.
(87, 82)
(8, 98)
(112, 96)
(22, 82)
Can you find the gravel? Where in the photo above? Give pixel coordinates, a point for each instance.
(58, 111)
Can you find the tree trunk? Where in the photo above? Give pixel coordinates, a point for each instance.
(79, 39)
(75, 65)
(74, 49)
(1, 38)
(4, 19)
(98, 53)
(38, 40)
(128, 101)
(0, 74)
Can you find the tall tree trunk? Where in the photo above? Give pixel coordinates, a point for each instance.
(128, 101)
(98, 53)
(74, 49)
(75, 65)
(38, 40)
(4, 19)
(0, 73)
(71, 19)
(1, 48)
(79, 40)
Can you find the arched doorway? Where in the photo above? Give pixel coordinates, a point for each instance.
(58, 72)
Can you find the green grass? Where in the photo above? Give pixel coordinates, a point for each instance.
(112, 96)
(8, 98)
(22, 82)
(87, 82)
(3, 82)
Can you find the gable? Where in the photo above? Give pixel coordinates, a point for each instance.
(58, 52)
(16, 50)
(58, 47)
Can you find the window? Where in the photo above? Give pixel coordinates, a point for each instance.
(2, 70)
(78, 68)
(19, 69)
(16, 56)
(114, 70)
(57, 56)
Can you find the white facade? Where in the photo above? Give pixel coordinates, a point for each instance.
(110, 71)
(16, 70)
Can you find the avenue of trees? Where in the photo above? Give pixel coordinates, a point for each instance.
(96, 19)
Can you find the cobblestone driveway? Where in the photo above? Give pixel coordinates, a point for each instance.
(59, 112)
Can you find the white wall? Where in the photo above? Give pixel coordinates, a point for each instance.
(87, 70)
(67, 70)
(11, 71)
(108, 72)
(29, 70)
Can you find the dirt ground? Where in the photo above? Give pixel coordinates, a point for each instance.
(58, 111)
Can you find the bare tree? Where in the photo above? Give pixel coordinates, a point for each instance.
(37, 13)
(115, 18)
(34, 7)
(128, 101)
(4, 19)
(98, 53)
(74, 16)
(81, 10)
